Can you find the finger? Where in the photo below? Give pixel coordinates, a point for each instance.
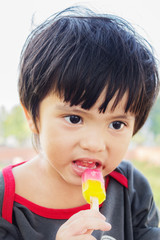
(80, 237)
(61, 235)
(83, 237)
(89, 231)
(85, 213)
(82, 225)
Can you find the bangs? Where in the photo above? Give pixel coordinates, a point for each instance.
(92, 64)
(81, 88)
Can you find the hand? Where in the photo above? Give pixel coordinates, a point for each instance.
(81, 225)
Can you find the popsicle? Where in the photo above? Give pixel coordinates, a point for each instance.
(93, 189)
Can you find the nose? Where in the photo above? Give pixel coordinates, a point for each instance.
(93, 142)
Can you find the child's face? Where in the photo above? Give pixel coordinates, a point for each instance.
(73, 139)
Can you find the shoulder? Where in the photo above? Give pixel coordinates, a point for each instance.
(140, 195)
(126, 168)
(1, 191)
(133, 175)
(137, 182)
(1, 181)
(128, 176)
(139, 189)
(1, 184)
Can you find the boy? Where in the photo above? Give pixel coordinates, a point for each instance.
(87, 83)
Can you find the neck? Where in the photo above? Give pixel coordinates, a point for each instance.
(58, 193)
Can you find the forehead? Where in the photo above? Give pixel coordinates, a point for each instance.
(121, 105)
(60, 104)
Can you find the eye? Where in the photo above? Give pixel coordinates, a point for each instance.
(74, 119)
(117, 125)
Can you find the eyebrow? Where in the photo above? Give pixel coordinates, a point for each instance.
(125, 117)
(71, 108)
(75, 109)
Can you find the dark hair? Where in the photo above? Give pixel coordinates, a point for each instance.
(78, 54)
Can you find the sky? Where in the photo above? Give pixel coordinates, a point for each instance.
(16, 24)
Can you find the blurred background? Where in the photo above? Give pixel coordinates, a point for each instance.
(17, 19)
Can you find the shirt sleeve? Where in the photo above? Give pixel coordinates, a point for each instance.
(8, 231)
(145, 215)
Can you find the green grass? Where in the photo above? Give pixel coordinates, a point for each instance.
(152, 173)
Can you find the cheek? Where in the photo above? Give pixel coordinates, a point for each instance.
(55, 140)
(116, 154)
(120, 146)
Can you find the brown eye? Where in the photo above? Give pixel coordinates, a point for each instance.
(117, 125)
(74, 119)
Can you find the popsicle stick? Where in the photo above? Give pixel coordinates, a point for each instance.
(94, 204)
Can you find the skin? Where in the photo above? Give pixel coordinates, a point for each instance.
(73, 139)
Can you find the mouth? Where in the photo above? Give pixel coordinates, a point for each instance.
(81, 165)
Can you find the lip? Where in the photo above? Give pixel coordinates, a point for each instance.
(87, 163)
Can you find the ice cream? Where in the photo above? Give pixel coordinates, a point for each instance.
(93, 187)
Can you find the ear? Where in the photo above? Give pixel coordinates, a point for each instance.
(29, 120)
